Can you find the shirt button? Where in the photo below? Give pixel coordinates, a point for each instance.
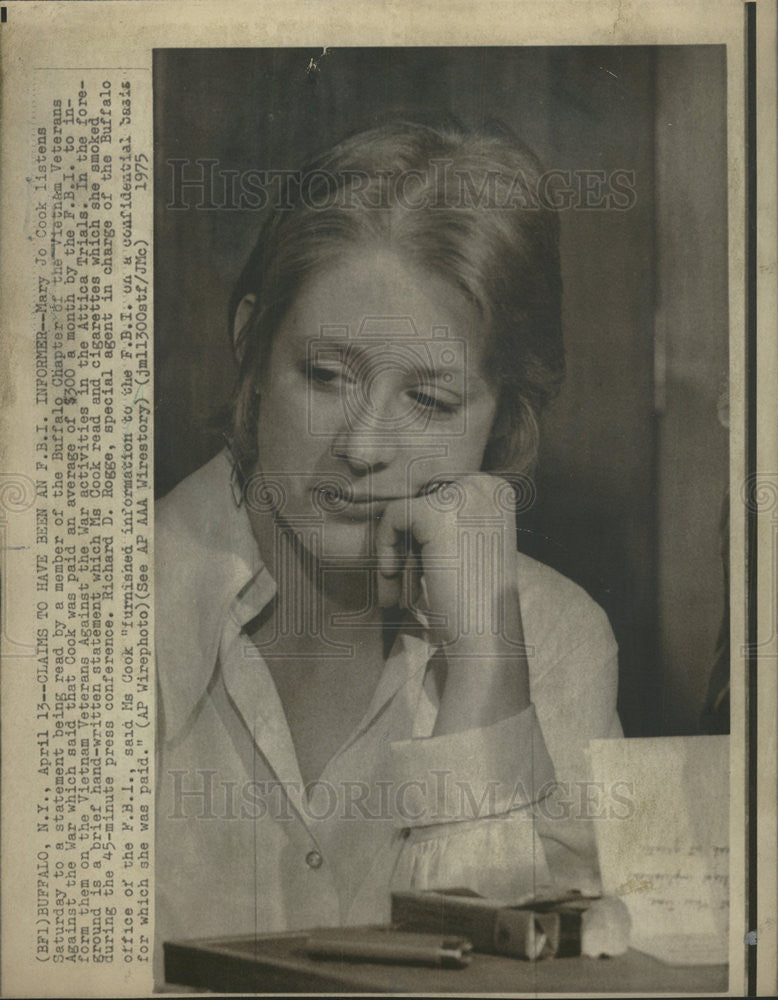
(313, 859)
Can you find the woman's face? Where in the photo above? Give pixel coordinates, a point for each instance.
(373, 390)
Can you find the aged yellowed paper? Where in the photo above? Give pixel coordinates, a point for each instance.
(144, 145)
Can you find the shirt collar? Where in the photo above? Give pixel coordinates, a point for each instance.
(210, 577)
(208, 571)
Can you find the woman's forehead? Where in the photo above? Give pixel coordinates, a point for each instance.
(377, 298)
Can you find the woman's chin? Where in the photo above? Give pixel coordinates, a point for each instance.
(346, 539)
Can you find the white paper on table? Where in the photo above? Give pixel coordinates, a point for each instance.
(666, 854)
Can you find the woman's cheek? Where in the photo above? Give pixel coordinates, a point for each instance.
(318, 414)
(284, 409)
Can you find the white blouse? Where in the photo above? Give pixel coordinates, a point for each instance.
(243, 848)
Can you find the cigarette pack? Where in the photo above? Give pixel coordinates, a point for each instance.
(538, 928)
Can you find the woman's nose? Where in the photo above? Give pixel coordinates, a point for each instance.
(368, 438)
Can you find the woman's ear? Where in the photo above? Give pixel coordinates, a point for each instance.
(242, 316)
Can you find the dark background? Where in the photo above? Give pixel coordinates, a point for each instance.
(633, 459)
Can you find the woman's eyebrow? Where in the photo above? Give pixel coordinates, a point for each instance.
(347, 350)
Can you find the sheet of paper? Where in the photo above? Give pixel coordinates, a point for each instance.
(666, 853)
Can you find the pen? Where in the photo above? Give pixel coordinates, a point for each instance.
(396, 947)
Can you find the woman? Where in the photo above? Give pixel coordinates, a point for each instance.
(363, 685)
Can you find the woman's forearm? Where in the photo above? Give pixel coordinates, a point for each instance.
(487, 678)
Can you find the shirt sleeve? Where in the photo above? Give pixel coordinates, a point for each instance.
(517, 812)
(472, 774)
(467, 819)
(576, 703)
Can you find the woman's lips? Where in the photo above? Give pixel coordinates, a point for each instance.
(363, 508)
(355, 508)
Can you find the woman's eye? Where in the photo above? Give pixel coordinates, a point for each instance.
(433, 404)
(320, 375)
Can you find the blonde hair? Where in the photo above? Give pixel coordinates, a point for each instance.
(475, 220)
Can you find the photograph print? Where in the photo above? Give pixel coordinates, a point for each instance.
(442, 468)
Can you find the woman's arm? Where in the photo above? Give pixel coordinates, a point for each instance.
(464, 544)
(487, 681)
(528, 776)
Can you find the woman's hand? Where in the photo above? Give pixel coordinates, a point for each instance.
(461, 536)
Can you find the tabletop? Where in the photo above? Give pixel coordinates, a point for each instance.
(277, 963)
